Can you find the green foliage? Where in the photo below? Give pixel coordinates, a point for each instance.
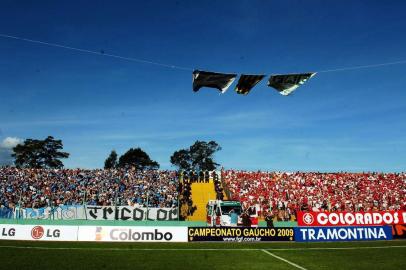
(39, 153)
(182, 159)
(136, 157)
(111, 161)
(199, 157)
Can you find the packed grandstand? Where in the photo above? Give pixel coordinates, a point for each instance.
(280, 194)
(35, 188)
(290, 192)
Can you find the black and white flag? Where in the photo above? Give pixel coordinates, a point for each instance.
(221, 81)
(288, 83)
(247, 82)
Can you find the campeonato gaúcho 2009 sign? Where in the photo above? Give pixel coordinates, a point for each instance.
(240, 234)
(351, 218)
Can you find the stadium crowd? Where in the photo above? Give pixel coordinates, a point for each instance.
(283, 194)
(35, 188)
(277, 193)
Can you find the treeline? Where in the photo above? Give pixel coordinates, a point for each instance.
(48, 154)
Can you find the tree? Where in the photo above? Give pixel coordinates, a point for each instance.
(182, 160)
(138, 159)
(199, 156)
(111, 161)
(39, 153)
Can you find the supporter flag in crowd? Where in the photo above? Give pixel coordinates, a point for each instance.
(288, 83)
(221, 81)
(247, 82)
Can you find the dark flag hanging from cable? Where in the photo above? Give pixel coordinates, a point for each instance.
(247, 82)
(221, 81)
(288, 83)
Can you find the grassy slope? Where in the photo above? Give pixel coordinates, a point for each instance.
(95, 256)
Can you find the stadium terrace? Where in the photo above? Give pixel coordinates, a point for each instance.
(279, 194)
(284, 193)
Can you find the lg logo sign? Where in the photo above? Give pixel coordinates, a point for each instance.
(8, 232)
(38, 232)
(308, 219)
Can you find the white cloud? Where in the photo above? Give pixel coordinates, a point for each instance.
(6, 149)
(10, 142)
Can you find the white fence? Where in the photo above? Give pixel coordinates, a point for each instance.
(93, 233)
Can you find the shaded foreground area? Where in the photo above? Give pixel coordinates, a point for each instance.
(53, 255)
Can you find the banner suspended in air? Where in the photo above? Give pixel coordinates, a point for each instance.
(220, 81)
(286, 84)
(247, 82)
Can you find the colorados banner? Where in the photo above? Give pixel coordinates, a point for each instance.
(351, 218)
(326, 234)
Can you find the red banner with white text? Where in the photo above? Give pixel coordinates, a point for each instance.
(351, 218)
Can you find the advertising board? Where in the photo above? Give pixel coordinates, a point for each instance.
(356, 233)
(399, 231)
(240, 234)
(38, 232)
(132, 234)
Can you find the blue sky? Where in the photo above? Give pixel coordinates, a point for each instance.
(349, 120)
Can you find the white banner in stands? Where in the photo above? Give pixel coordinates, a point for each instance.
(64, 212)
(38, 232)
(130, 213)
(94, 212)
(132, 234)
